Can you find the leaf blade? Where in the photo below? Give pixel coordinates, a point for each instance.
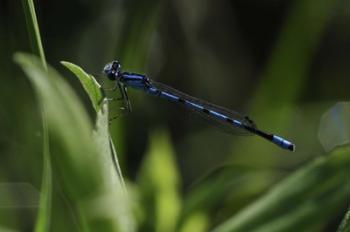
(44, 214)
(91, 86)
(324, 182)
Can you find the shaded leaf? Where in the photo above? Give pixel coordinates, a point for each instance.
(302, 201)
(345, 224)
(233, 183)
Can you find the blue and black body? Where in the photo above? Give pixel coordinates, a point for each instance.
(228, 119)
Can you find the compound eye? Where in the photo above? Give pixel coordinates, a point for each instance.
(115, 66)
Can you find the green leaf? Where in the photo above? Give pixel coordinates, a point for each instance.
(102, 139)
(114, 183)
(91, 86)
(304, 200)
(111, 169)
(76, 158)
(45, 205)
(215, 189)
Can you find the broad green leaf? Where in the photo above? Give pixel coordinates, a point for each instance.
(159, 183)
(304, 200)
(75, 156)
(91, 86)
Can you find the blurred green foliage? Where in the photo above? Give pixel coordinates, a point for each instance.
(283, 62)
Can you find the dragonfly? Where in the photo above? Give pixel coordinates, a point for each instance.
(224, 118)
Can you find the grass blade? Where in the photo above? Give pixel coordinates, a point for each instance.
(217, 189)
(44, 214)
(33, 30)
(302, 201)
(345, 224)
(45, 206)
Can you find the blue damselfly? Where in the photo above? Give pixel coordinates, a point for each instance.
(229, 119)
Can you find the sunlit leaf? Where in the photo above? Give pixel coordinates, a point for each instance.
(91, 86)
(196, 222)
(159, 182)
(76, 158)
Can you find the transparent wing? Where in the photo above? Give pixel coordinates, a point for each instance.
(219, 123)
